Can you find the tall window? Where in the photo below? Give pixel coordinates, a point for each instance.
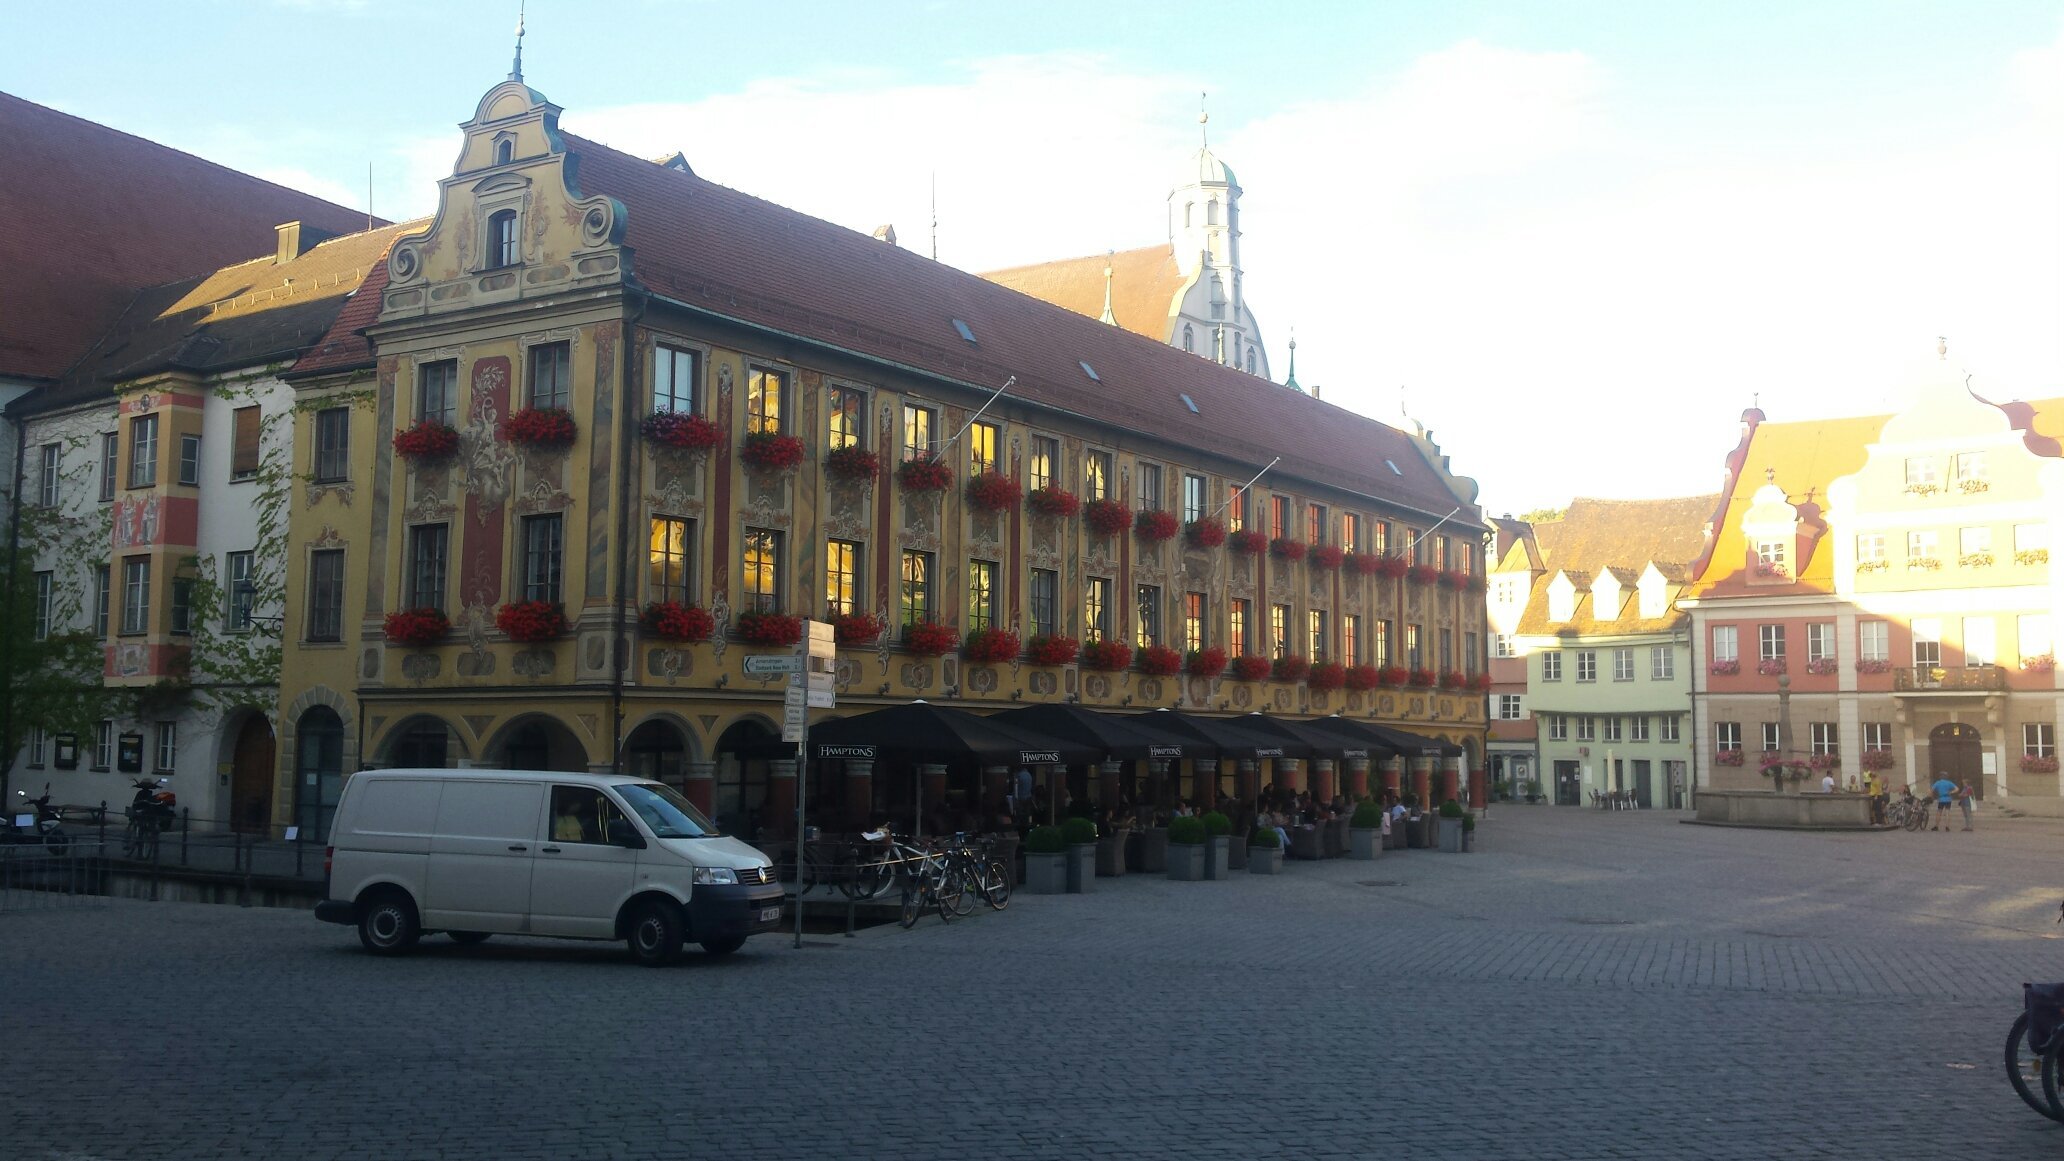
(1587, 665)
(1551, 665)
(429, 559)
(1149, 615)
(1279, 517)
(1236, 510)
(1315, 626)
(1669, 731)
(1351, 639)
(1870, 547)
(982, 595)
(46, 598)
(1096, 608)
(544, 542)
(1727, 735)
(1279, 630)
(1046, 596)
(1379, 541)
(189, 473)
(2039, 739)
(104, 746)
(1097, 474)
(1927, 642)
(1623, 665)
(437, 397)
(1192, 498)
(1612, 729)
(760, 570)
(136, 594)
(181, 613)
(143, 451)
(551, 375)
(101, 585)
(1558, 728)
(110, 452)
(503, 248)
(167, 748)
(239, 591)
(918, 423)
(1149, 486)
(1981, 643)
(1726, 642)
(916, 600)
(1587, 728)
(1441, 553)
(1662, 663)
(1237, 615)
(1470, 653)
(1877, 736)
(1921, 544)
(1820, 641)
(1315, 523)
(676, 372)
(1773, 737)
(1637, 728)
(1970, 466)
(2034, 636)
(1350, 532)
(670, 560)
(848, 418)
(1771, 641)
(332, 444)
(325, 595)
(47, 475)
(1825, 738)
(247, 432)
(39, 742)
(981, 443)
(1447, 649)
(1381, 652)
(1193, 621)
(1044, 468)
(842, 578)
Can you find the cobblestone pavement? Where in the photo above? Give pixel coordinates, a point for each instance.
(1585, 986)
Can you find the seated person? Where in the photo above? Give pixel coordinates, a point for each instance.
(573, 815)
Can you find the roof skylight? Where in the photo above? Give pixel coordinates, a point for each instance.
(1191, 404)
(1393, 468)
(965, 333)
(1091, 372)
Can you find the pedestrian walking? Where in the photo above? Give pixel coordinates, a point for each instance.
(1944, 789)
(1964, 796)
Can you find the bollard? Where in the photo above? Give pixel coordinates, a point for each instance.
(184, 826)
(156, 857)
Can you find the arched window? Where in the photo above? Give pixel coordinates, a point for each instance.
(1189, 214)
(1250, 360)
(318, 770)
(1189, 338)
(505, 150)
(501, 239)
(1211, 212)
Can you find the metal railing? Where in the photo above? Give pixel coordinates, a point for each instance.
(39, 876)
(1949, 679)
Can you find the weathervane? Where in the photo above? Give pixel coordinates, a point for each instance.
(516, 69)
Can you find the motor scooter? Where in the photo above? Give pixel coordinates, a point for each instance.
(152, 812)
(34, 820)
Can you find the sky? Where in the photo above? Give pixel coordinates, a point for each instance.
(1573, 240)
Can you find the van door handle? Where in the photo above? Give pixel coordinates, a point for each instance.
(550, 850)
(518, 847)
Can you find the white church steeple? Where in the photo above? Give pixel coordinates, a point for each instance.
(1204, 233)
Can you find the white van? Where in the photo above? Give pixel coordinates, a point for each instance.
(475, 853)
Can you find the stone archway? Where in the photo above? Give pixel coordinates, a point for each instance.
(421, 742)
(318, 770)
(744, 772)
(658, 749)
(538, 742)
(251, 766)
(1957, 750)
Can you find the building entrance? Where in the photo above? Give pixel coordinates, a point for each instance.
(1955, 750)
(1569, 783)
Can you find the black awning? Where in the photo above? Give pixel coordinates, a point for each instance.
(1361, 741)
(1118, 737)
(1414, 745)
(922, 732)
(1232, 740)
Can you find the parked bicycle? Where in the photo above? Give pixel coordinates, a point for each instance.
(2034, 1042)
(1908, 812)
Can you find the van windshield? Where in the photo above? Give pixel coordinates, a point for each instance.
(665, 811)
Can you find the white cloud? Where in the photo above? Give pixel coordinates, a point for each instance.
(310, 183)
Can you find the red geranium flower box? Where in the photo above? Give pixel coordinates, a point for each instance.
(1155, 526)
(1875, 759)
(1723, 668)
(531, 620)
(1248, 542)
(544, 427)
(768, 451)
(1284, 548)
(682, 430)
(1160, 661)
(768, 628)
(1362, 678)
(1054, 650)
(925, 474)
(1453, 679)
(993, 492)
(929, 639)
(1290, 667)
(1206, 532)
(426, 439)
(1107, 517)
(1327, 556)
(1363, 564)
(1107, 655)
(674, 621)
(852, 463)
(1392, 566)
(1207, 662)
(1481, 683)
(1423, 574)
(1727, 758)
(1051, 501)
(417, 627)
(1423, 678)
(2034, 764)
(1393, 677)
(991, 646)
(1251, 668)
(1327, 675)
(855, 628)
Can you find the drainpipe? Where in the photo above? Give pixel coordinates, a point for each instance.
(626, 431)
(21, 455)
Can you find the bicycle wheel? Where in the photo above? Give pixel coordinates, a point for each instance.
(913, 902)
(947, 893)
(873, 876)
(2029, 1068)
(967, 887)
(1915, 819)
(997, 881)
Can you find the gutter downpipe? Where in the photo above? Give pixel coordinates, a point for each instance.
(626, 427)
(21, 452)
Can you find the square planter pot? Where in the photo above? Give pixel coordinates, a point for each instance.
(1154, 849)
(1394, 838)
(1236, 853)
(1451, 835)
(1264, 860)
(1217, 852)
(1366, 843)
(1046, 874)
(1081, 867)
(1110, 861)
(1185, 861)
(1468, 841)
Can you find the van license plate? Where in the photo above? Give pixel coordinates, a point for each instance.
(770, 915)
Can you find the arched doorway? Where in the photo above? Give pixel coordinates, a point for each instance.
(538, 742)
(318, 770)
(251, 767)
(742, 751)
(658, 749)
(421, 743)
(1956, 750)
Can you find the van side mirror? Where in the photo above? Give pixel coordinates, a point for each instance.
(623, 834)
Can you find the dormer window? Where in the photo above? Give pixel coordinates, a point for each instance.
(1770, 558)
(501, 239)
(505, 151)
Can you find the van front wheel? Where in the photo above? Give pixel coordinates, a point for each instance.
(387, 923)
(655, 934)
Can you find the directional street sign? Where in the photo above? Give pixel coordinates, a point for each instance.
(763, 664)
(792, 723)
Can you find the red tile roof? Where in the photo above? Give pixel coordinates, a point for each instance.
(1144, 284)
(716, 249)
(94, 214)
(343, 347)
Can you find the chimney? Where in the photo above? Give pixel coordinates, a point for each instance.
(296, 239)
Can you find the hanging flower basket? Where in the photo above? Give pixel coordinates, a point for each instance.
(1107, 655)
(1205, 532)
(992, 492)
(767, 451)
(1159, 661)
(540, 427)
(1284, 548)
(929, 639)
(1054, 650)
(924, 474)
(1423, 678)
(674, 621)
(1048, 500)
(1363, 564)
(1393, 677)
(1724, 668)
(1326, 676)
(771, 629)
(417, 627)
(426, 440)
(855, 628)
(1423, 574)
(852, 463)
(1106, 517)
(1248, 542)
(679, 429)
(1727, 758)
(1453, 679)
(1248, 668)
(1156, 526)
(1875, 760)
(1290, 667)
(1206, 662)
(2033, 764)
(531, 620)
(1361, 678)
(991, 646)
(1327, 557)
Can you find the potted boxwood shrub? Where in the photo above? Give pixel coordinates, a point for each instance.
(1110, 851)
(1366, 829)
(1218, 842)
(1080, 835)
(1264, 851)
(1186, 848)
(1046, 861)
(1451, 813)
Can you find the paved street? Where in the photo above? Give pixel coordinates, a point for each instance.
(1587, 985)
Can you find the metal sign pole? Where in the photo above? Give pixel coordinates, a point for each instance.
(802, 794)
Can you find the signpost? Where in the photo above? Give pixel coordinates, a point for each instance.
(810, 671)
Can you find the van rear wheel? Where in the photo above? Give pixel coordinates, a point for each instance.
(387, 923)
(655, 935)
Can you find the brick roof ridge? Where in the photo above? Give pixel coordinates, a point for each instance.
(1156, 248)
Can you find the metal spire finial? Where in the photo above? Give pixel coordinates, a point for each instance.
(1942, 347)
(516, 69)
(1107, 316)
(1203, 120)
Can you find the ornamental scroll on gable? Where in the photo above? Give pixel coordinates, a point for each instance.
(512, 222)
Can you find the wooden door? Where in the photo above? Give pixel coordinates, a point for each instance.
(250, 779)
(1954, 749)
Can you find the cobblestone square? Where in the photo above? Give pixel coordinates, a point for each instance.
(1587, 985)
